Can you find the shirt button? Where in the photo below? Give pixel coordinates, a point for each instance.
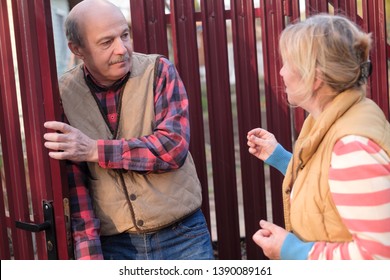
(140, 223)
(133, 197)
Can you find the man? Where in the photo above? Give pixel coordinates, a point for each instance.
(127, 146)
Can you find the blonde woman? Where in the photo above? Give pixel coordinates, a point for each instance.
(336, 191)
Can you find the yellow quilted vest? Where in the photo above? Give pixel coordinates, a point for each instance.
(308, 205)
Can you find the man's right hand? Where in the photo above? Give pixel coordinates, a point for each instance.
(69, 143)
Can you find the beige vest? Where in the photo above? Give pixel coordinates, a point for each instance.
(311, 212)
(127, 201)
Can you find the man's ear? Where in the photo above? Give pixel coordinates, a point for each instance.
(76, 50)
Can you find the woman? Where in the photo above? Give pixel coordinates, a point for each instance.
(336, 191)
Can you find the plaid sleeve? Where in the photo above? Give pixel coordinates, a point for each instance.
(85, 226)
(167, 147)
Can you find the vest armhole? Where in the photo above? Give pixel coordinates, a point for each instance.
(156, 65)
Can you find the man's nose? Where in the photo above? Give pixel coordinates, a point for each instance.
(120, 47)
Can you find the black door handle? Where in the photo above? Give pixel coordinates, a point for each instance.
(48, 226)
(33, 227)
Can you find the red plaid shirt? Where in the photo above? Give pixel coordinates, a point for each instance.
(164, 150)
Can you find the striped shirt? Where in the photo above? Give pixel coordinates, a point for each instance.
(164, 150)
(359, 180)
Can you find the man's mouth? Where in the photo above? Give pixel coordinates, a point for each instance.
(120, 59)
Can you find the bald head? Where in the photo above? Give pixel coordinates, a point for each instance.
(87, 12)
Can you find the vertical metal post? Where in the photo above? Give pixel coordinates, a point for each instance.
(11, 142)
(221, 128)
(187, 62)
(249, 117)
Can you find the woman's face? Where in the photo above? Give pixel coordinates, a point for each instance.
(292, 82)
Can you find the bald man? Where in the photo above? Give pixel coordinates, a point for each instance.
(134, 190)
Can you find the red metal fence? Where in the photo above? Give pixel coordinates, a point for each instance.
(29, 178)
(236, 94)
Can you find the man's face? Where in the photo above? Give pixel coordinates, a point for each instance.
(106, 49)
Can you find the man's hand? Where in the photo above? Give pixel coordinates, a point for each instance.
(270, 238)
(69, 143)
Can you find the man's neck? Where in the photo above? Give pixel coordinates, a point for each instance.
(88, 75)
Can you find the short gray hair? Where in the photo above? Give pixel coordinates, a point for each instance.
(72, 31)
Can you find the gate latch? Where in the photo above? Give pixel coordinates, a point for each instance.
(48, 226)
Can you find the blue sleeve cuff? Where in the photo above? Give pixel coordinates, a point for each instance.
(295, 249)
(279, 159)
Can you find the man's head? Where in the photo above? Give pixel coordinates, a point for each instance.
(98, 34)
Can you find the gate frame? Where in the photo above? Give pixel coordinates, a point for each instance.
(40, 102)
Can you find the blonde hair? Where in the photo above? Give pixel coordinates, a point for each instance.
(330, 46)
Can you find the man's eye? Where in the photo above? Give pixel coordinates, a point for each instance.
(106, 43)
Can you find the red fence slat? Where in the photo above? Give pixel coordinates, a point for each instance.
(38, 79)
(187, 63)
(28, 68)
(5, 253)
(150, 16)
(278, 113)
(50, 95)
(221, 131)
(374, 15)
(249, 117)
(12, 144)
(316, 6)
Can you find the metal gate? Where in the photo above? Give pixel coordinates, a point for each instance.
(226, 54)
(34, 192)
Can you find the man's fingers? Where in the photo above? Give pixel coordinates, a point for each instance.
(59, 155)
(56, 146)
(55, 137)
(58, 126)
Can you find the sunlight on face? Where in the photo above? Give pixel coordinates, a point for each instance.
(291, 81)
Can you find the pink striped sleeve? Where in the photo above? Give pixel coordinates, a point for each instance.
(359, 180)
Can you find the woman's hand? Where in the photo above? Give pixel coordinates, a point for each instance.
(270, 238)
(261, 143)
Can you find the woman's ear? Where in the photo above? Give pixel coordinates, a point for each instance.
(318, 81)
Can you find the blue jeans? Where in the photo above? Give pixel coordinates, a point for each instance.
(188, 239)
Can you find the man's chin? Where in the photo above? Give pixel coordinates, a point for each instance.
(123, 64)
(121, 68)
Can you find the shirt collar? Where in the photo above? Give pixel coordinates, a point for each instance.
(97, 87)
